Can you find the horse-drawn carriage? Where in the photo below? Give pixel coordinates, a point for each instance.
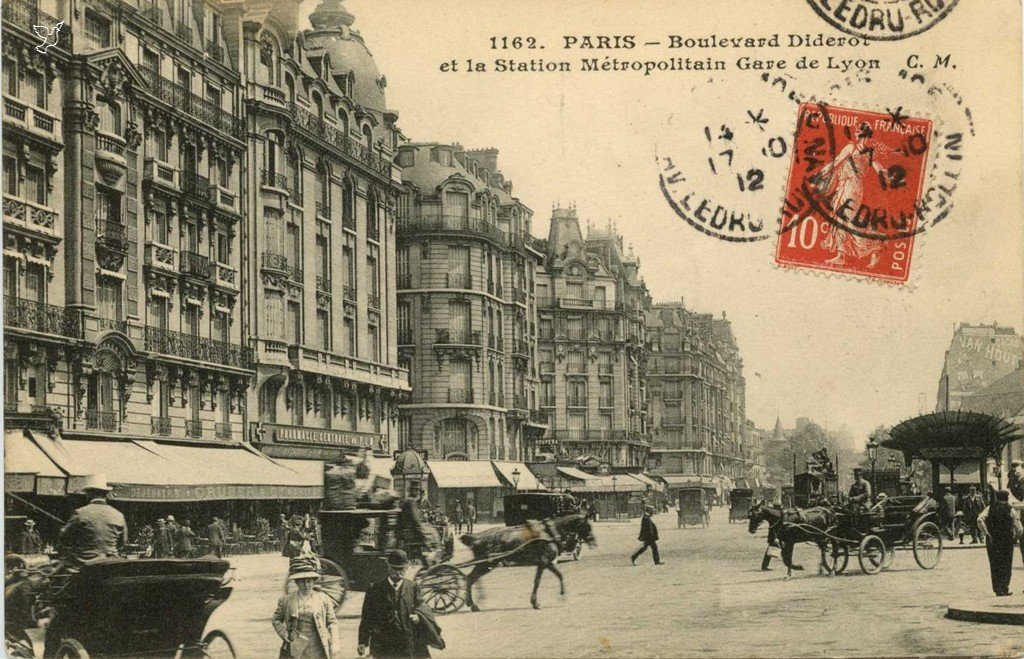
(694, 507)
(740, 501)
(522, 507)
(116, 607)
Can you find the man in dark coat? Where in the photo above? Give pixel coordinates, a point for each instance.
(163, 540)
(389, 623)
(96, 530)
(183, 540)
(215, 535)
(971, 506)
(30, 541)
(1001, 526)
(947, 510)
(648, 536)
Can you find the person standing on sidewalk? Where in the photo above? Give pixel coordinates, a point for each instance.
(215, 535)
(457, 516)
(971, 507)
(648, 536)
(470, 516)
(1000, 524)
(1016, 487)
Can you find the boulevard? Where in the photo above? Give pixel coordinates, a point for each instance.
(710, 598)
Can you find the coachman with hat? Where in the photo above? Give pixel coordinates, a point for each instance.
(860, 491)
(395, 623)
(95, 531)
(30, 541)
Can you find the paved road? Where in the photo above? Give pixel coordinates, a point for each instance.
(709, 599)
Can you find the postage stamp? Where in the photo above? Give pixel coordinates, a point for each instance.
(884, 20)
(854, 191)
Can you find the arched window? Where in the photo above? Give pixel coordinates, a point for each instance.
(347, 200)
(272, 154)
(324, 407)
(368, 137)
(289, 84)
(455, 435)
(295, 175)
(371, 215)
(323, 187)
(268, 400)
(110, 116)
(297, 399)
(343, 121)
(318, 106)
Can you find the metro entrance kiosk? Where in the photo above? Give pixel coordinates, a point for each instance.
(950, 440)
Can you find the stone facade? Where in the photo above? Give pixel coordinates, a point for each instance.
(593, 350)
(122, 166)
(321, 234)
(466, 315)
(977, 356)
(697, 390)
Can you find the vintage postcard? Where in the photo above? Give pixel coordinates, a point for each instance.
(492, 328)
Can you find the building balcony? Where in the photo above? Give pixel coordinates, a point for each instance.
(521, 347)
(222, 430)
(458, 280)
(193, 428)
(373, 301)
(183, 32)
(160, 425)
(579, 369)
(40, 219)
(373, 231)
(225, 199)
(193, 264)
(274, 261)
(151, 12)
(191, 105)
(30, 118)
(187, 346)
(405, 337)
(460, 395)
(539, 417)
(575, 334)
(97, 420)
(349, 293)
(346, 367)
(585, 304)
(25, 13)
(224, 275)
(547, 402)
(342, 143)
(323, 210)
(41, 317)
(215, 51)
(274, 95)
(112, 235)
(161, 257)
(577, 401)
(520, 402)
(458, 337)
(278, 433)
(112, 325)
(348, 222)
(275, 180)
(197, 187)
(622, 436)
(323, 284)
(294, 273)
(157, 171)
(411, 226)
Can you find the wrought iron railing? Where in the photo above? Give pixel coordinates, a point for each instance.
(151, 12)
(323, 209)
(41, 317)
(193, 428)
(519, 295)
(605, 369)
(177, 344)
(460, 395)
(412, 225)
(520, 402)
(25, 14)
(112, 325)
(373, 230)
(160, 425)
(97, 420)
(349, 222)
(606, 401)
(520, 347)
(112, 234)
(190, 104)
(323, 283)
(194, 264)
(294, 273)
(349, 293)
(540, 416)
(458, 337)
(196, 185)
(341, 142)
(273, 179)
(215, 51)
(222, 430)
(373, 301)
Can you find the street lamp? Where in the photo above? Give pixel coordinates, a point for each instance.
(615, 500)
(515, 477)
(872, 455)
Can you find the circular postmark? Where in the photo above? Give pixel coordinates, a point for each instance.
(883, 20)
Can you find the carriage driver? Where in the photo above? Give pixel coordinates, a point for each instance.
(860, 491)
(96, 530)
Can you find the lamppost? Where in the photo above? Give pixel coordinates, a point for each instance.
(615, 499)
(873, 455)
(515, 477)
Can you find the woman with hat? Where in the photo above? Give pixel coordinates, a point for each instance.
(305, 619)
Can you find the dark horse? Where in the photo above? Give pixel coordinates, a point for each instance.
(795, 525)
(533, 543)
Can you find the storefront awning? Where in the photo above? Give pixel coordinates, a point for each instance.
(24, 462)
(593, 483)
(147, 471)
(527, 481)
(573, 472)
(679, 481)
(648, 481)
(450, 475)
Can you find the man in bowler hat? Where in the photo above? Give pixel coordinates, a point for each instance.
(390, 621)
(648, 536)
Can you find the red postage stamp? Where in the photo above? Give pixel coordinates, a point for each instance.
(853, 197)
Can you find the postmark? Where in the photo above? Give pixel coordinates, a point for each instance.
(883, 20)
(854, 193)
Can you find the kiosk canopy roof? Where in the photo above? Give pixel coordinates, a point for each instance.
(952, 436)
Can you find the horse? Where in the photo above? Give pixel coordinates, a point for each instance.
(793, 526)
(533, 543)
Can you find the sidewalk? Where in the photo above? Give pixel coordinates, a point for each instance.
(992, 610)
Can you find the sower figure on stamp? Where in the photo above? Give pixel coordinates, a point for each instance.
(648, 536)
(842, 184)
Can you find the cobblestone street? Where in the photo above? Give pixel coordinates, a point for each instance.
(709, 599)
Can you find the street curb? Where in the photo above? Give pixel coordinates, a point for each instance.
(991, 611)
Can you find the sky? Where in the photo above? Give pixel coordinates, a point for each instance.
(840, 351)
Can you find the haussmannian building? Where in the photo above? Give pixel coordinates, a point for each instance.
(697, 390)
(320, 235)
(593, 347)
(466, 314)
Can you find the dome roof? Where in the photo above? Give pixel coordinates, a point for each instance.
(332, 31)
(410, 463)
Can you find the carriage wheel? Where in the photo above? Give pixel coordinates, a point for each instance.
(444, 588)
(871, 554)
(837, 556)
(927, 545)
(217, 645)
(890, 556)
(69, 648)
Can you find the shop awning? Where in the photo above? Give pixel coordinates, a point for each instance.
(451, 475)
(593, 483)
(24, 462)
(527, 481)
(679, 481)
(147, 471)
(648, 481)
(573, 472)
